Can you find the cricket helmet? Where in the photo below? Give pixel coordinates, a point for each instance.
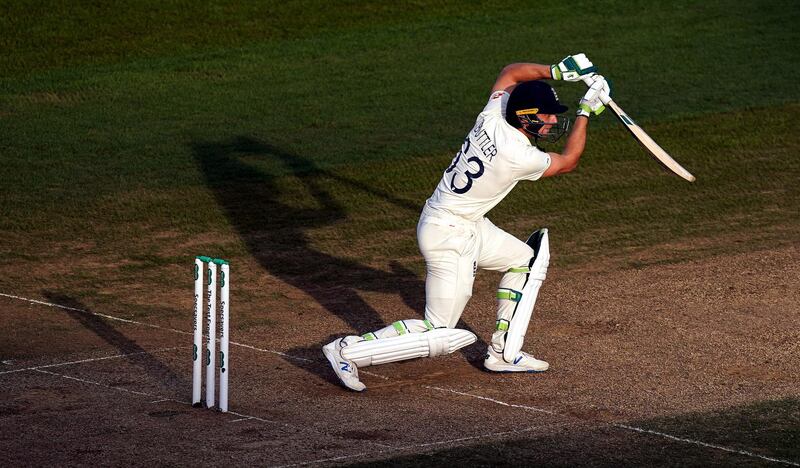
(536, 97)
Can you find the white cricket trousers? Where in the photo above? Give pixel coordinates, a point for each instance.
(454, 248)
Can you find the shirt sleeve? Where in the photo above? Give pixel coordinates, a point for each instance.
(530, 164)
(496, 104)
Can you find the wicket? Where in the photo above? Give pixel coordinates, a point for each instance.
(211, 326)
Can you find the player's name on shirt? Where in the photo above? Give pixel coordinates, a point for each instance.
(484, 141)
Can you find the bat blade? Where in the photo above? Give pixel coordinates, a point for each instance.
(649, 144)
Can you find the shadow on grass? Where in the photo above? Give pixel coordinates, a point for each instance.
(762, 434)
(100, 327)
(276, 233)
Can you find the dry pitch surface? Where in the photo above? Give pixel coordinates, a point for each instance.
(633, 352)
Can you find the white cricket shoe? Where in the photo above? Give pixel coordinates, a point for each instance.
(523, 363)
(345, 369)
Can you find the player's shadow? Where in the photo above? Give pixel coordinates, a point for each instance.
(275, 232)
(101, 327)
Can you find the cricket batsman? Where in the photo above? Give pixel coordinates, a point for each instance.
(456, 238)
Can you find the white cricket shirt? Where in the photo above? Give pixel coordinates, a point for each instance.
(494, 157)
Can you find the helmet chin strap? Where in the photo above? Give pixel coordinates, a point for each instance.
(557, 129)
(535, 137)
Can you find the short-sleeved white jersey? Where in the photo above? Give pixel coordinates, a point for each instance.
(494, 157)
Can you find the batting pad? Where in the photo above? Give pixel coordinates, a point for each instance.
(431, 343)
(518, 325)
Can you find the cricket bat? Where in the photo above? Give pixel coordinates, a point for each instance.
(644, 139)
(649, 144)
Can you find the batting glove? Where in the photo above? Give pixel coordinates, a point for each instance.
(572, 68)
(607, 87)
(591, 103)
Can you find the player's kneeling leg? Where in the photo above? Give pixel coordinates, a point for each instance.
(516, 299)
(404, 339)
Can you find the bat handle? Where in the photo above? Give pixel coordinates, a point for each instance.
(589, 80)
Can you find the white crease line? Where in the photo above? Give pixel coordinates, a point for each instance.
(425, 445)
(159, 399)
(82, 361)
(241, 416)
(96, 383)
(298, 358)
(492, 400)
(110, 317)
(705, 444)
(626, 427)
(134, 322)
(247, 416)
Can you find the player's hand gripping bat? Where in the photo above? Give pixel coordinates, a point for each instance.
(643, 138)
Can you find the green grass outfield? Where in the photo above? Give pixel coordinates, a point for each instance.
(103, 109)
(134, 136)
